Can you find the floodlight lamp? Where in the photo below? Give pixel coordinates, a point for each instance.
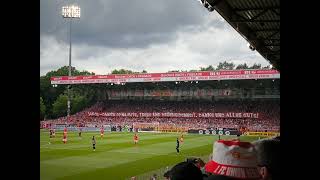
(210, 9)
(251, 47)
(71, 11)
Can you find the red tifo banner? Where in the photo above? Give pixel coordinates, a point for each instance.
(179, 115)
(174, 76)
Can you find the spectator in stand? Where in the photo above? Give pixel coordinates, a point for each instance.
(184, 171)
(234, 160)
(269, 113)
(268, 151)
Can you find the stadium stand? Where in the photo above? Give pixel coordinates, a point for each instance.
(268, 120)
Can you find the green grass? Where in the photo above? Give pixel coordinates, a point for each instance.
(116, 157)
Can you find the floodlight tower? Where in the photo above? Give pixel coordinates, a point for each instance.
(70, 12)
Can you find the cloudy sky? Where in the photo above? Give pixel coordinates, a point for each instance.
(156, 36)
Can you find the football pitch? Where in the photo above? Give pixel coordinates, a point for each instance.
(116, 156)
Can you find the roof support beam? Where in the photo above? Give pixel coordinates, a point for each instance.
(256, 8)
(271, 35)
(259, 30)
(258, 21)
(225, 10)
(260, 14)
(273, 10)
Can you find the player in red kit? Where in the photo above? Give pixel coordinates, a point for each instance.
(65, 135)
(102, 132)
(135, 138)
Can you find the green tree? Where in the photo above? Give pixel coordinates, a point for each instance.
(42, 109)
(59, 107)
(242, 66)
(255, 66)
(209, 68)
(225, 66)
(50, 93)
(122, 71)
(78, 103)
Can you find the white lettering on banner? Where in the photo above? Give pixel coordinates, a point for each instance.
(212, 75)
(252, 173)
(216, 170)
(219, 114)
(155, 114)
(179, 115)
(235, 172)
(206, 115)
(222, 170)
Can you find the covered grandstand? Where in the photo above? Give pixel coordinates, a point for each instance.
(257, 21)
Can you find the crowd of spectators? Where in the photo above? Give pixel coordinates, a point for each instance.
(269, 114)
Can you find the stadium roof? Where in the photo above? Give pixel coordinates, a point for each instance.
(257, 21)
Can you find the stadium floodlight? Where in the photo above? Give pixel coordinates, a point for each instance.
(197, 82)
(251, 47)
(176, 82)
(70, 12)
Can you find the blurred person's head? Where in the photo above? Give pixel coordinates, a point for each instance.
(184, 171)
(268, 154)
(233, 159)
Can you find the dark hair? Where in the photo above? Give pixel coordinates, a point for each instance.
(268, 154)
(184, 171)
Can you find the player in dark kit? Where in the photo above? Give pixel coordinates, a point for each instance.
(177, 148)
(94, 143)
(80, 131)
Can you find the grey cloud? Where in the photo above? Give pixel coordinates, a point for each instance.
(110, 23)
(164, 35)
